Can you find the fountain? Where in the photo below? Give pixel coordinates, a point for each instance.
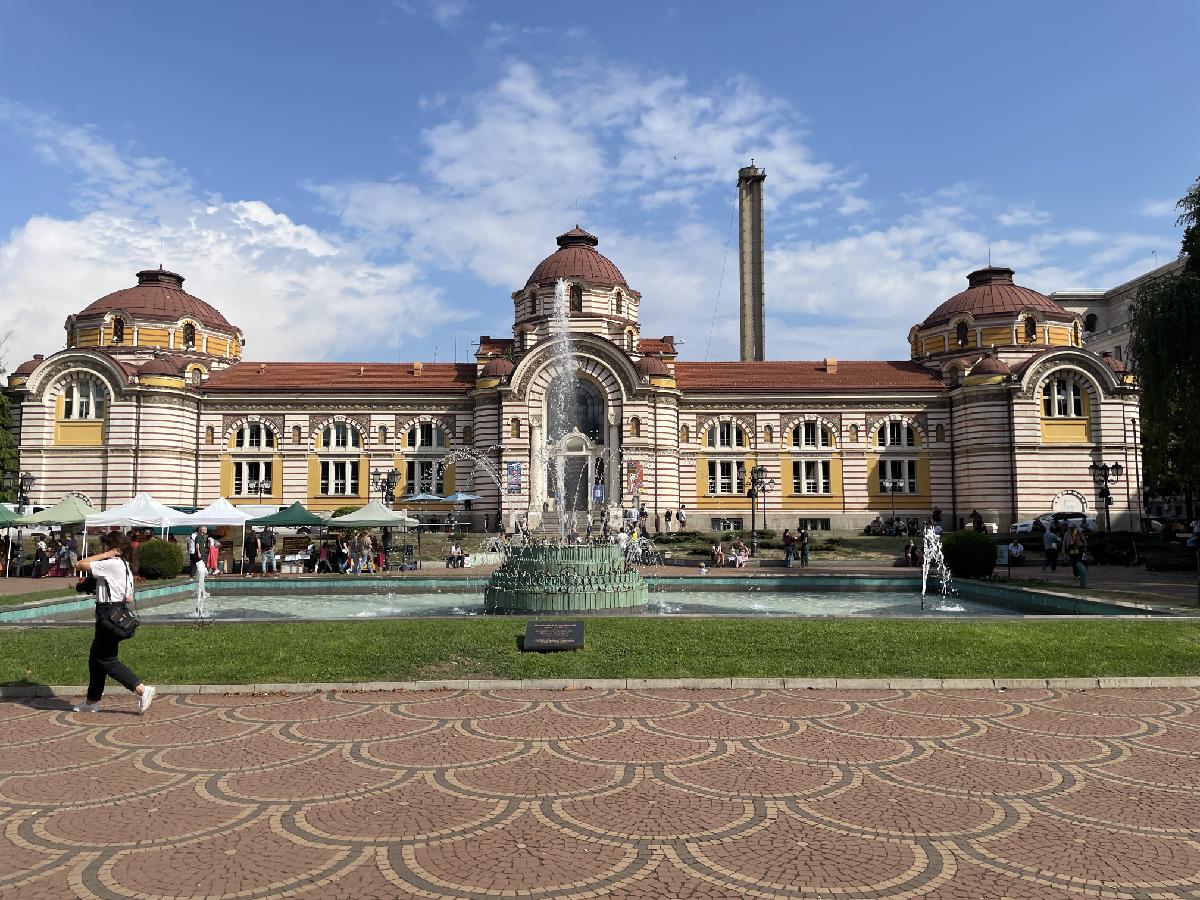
(551, 573)
(933, 557)
(202, 593)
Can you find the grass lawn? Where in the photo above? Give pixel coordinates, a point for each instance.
(615, 648)
(30, 596)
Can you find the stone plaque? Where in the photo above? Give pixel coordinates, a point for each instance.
(543, 636)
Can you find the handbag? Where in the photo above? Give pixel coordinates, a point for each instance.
(120, 619)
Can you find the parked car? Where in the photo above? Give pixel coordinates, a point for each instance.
(1042, 522)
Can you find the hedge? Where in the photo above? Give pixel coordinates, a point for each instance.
(160, 559)
(969, 554)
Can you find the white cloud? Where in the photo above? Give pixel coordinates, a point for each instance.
(296, 293)
(445, 13)
(1022, 215)
(1159, 208)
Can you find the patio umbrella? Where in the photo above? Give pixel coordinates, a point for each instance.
(461, 497)
(424, 498)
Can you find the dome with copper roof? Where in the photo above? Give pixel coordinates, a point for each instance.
(29, 365)
(577, 257)
(1116, 365)
(159, 365)
(991, 364)
(651, 367)
(159, 294)
(991, 293)
(497, 368)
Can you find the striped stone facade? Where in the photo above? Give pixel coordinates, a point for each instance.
(999, 408)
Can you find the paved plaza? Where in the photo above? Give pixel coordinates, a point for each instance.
(1034, 793)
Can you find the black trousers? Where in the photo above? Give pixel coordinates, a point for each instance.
(103, 662)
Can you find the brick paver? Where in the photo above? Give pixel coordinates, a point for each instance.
(584, 793)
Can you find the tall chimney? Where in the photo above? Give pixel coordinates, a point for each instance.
(750, 254)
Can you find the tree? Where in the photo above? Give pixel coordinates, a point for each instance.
(1165, 326)
(9, 458)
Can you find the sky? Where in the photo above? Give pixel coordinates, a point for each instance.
(371, 181)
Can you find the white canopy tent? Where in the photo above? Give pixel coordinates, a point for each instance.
(219, 512)
(143, 511)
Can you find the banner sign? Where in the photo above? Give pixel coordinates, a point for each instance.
(514, 478)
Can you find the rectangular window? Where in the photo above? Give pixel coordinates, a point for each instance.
(84, 393)
(255, 434)
(339, 478)
(810, 434)
(901, 472)
(811, 476)
(239, 484)
(324, 477)
(426, 434)
(912, 476)
(726, 477)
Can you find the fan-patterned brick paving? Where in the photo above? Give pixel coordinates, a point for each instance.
(716, 794)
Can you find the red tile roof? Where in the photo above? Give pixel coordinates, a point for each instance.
(665, 344)
(496, 346)
(442, 378)
(804, 376)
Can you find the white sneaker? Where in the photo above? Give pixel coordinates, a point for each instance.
(145, 699)
(86, 706)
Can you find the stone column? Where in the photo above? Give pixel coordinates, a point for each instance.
(537, 467)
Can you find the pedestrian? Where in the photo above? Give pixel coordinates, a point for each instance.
(113, 572)
(249, 552)
(803, 542)
(1076, 550)
(681, 517)
(323, 559)
(657, 523)
(789, 547)
(214, 554)
(976, 520)
(41, 559)
(72, 549)
(266, 546)
(197, 548)
(667, 516)
(1050, 546)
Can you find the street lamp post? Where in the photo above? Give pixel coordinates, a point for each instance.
(758, 488)
(259, 488)
(1103, 475)
(894, 487)
(23, 484)
(385, 483)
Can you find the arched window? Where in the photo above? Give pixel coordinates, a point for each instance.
(1089, 322)
(576, 293)
(635, 427)
(118, 330)
(426, 435)
(382, 435)
(1117, 353)
(685, 434)
(197, 377)
(210, 436)
(468, 435)
(1076, 337)
(939, 433)
(341, 436)
(514, 428)
(896, 434)
(189, 336)
(575, 403)
(854, 434)
(726, 434)
(619, 304)
(768, 434)
(84, 398)
(1062, 398)
(295, 434)
(961, 332)
(1030, 330)
(811, 434)
(254, 436)
(630, 341)
(954, 375)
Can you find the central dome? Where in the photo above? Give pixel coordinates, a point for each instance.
(159, 294)
(991, 292)
(577, 257)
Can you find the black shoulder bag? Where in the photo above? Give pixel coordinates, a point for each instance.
(120, 619)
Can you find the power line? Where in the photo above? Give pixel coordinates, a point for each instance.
(720, 284)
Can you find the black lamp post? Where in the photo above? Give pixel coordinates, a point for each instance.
(894, 487)
(758, 488)
(23, 484)
(385, 483)
(259, 488)
(1103, 475)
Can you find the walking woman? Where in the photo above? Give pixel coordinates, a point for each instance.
(114, 584)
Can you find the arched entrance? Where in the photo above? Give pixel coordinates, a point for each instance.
(575, 435)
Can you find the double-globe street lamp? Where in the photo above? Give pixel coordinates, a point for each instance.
(23, 484)
(259, 488)
(760, 485)
(385, 483)
(1103, 475)
(894, 487)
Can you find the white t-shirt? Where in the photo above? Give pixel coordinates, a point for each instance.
(115, 573)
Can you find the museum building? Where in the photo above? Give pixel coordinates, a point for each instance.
(1000, 407)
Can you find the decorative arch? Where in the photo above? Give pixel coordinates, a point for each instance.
(405, 424)
(747, 430)
(830, 423)
(1102, 378)
(188, 327)
(232, 424)
(42, 382)
(318, 424)
(195, 375)
(594, 358)
(920, 438)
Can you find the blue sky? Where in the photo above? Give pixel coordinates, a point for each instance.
(371, 180)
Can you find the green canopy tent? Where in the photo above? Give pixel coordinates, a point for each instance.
(8, 518)
(295, 516)
(375, 515)
(70, 510)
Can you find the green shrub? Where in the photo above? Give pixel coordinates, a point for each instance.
(160, 559)
(344, 511)
(969, 554)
